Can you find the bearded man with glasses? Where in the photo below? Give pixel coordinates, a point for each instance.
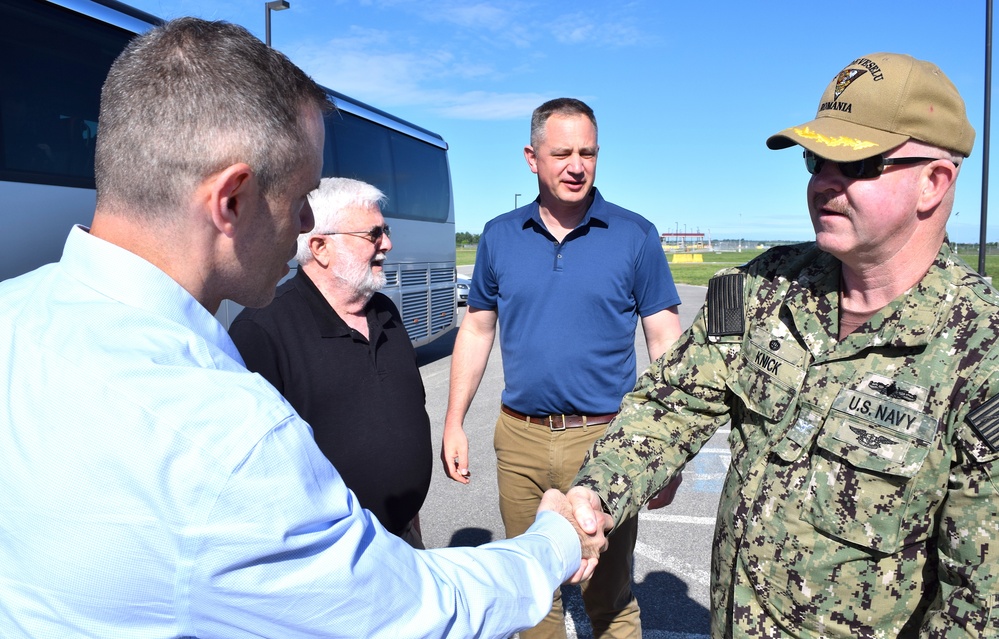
(860, 375)
(338, 351)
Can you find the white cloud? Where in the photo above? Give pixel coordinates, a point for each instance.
(478, 16)
(458, 71)
(480, 105)
(397, 79)
(588, 29)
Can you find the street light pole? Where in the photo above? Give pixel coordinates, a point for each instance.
(985, 138)
(275, 5)
(515, 196)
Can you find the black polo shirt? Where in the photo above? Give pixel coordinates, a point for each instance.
(364, 399)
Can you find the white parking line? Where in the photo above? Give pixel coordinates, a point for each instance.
(677, 566)
(715, 451)
(676, 519)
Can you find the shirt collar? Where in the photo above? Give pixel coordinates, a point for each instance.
(128, 279)
(597, 212)
(910, 320)
(329, 322)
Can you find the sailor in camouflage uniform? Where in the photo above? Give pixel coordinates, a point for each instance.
(860, 374)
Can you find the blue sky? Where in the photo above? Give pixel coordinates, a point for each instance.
(685, 93)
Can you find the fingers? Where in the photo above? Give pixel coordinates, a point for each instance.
(456, 466)
(584, 504)
(461, 472)
(586, 508)
(665, 496)
(454, 455)
(586, 568)
(591, 543)
(457, 469)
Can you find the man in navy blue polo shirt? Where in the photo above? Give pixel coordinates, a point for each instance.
(568, 276)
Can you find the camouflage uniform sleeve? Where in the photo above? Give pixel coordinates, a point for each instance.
(676, 406)
(968, 530)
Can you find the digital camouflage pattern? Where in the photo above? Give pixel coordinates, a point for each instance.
(861, 500)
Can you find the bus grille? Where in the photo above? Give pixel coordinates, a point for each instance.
(441, 309)
(440, 275)
(414, 314)
(426, 296)
(412, 277)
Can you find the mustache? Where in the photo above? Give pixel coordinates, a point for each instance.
(828, 202)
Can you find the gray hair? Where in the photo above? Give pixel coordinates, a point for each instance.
(329, 204)
(560, 106)
(186, 100)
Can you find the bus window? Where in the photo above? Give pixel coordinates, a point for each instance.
(422, 181)
(50, 92)
(412, 174)
(361, 150)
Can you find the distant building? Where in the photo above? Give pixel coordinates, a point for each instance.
(685, 242)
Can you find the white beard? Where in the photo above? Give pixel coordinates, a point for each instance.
(359, 277)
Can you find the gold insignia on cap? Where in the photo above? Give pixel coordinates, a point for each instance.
(845, 79)
(856, 145)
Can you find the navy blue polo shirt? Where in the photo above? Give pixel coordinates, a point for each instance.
(568, 311)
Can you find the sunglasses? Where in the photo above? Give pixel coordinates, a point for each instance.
(866, 169)
(372, 235)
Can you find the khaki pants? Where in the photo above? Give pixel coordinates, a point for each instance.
(531, 459)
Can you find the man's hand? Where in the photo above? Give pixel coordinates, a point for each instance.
(581, 507)
(468, 363)
(454, 453)
(665, 496)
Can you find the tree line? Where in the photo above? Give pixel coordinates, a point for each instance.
(460, 239)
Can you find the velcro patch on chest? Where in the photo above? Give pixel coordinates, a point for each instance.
(726, 305)
(985, 421)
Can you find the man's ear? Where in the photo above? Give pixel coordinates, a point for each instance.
(322, 251)
(228, 193)
(936, 180)
(532, 158)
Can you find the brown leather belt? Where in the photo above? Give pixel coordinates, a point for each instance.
(560, 422)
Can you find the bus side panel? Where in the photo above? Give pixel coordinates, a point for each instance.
(50, 85)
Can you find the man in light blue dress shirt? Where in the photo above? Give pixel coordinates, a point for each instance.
(150, 486)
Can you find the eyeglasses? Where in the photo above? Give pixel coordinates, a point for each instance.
(866, 169)
(372, 235)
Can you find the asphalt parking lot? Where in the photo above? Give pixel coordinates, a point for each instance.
(672, 558)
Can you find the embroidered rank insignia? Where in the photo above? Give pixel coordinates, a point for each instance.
(726, 305)
(985, 421)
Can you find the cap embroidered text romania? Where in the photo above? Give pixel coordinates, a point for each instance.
(879, 102)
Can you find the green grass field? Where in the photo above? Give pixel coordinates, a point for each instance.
(698, 273)
(465, 256)
(991, 263)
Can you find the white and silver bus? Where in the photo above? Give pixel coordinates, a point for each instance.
(56, 55)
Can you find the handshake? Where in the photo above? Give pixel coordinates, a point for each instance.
(582, 507)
